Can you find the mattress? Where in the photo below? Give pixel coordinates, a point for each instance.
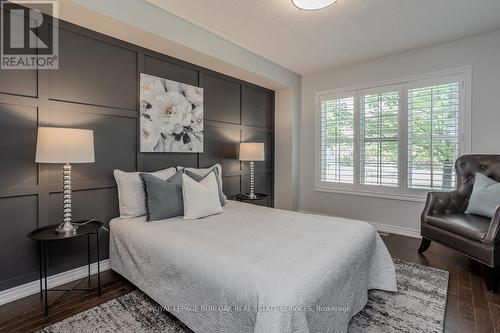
(254, 269)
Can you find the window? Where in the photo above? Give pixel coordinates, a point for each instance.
(379, 148)
(337, 140)
(398, 139)
(433, 136)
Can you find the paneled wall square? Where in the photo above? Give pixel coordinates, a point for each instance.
(221, 146)
(250, 135)
(168, 70)
(222, 99)
(231, 185)
(257, 107)
(94, 72)
(18, 82)
(100, 204)
(18, 216)
(18, 130)
(114, 144)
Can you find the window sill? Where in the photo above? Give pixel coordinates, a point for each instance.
(389, 196)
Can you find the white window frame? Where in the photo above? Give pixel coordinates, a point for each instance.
(402, 192)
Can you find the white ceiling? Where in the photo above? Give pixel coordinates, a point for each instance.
(348, 31)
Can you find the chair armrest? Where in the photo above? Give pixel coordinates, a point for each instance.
(443, 203)
(493, 231)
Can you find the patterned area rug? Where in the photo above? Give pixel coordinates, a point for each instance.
(418, 306)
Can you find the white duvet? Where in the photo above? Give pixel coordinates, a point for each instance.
(254, 269)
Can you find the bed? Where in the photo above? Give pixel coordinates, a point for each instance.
(254, 269)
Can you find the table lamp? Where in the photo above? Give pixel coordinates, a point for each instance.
(65, 146)
(252, 151)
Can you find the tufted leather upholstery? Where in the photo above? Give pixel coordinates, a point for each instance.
(444, 221)
(468, 165)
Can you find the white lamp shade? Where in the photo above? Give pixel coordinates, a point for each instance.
(252, 151)
(64, 145)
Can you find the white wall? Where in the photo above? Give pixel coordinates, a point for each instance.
(286, 149)
(482, 52)
(283, 121)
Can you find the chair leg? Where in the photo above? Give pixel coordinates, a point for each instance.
(491, 278)
(424, 245)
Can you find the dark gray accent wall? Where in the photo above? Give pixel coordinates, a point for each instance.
(97, 87)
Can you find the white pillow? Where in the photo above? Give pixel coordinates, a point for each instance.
(201, 199)
(204, 171)
(131, 196)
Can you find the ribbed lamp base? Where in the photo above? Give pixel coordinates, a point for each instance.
(67, 227)
(252, 195)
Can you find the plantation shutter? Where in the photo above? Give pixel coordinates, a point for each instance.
(337, 140)
(379, 134)
(433, 135)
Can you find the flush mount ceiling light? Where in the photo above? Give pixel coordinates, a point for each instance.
(312, 4)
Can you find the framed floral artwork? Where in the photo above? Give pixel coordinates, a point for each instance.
(171, 116)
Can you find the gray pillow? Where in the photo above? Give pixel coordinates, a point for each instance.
(163, 197)
(485, 196)
(198, 178)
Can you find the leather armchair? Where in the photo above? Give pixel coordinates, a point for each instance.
(444, 219)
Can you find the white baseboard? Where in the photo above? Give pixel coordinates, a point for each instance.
(384, 228)
(392, 229)
(33, 287)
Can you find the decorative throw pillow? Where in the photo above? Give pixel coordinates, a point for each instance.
(131, 196)
(163, 197)
(201, 199)
(198, 178)
(204, 171)
(485, 196)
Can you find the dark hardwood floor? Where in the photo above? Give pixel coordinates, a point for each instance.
(470, 307)
(28, 315)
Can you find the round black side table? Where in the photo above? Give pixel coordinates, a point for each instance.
(244, 197)
(47, 234)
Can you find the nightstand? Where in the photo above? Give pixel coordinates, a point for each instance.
(47, 234)
(244, 197)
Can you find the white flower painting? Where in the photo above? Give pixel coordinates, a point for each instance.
(171, 118)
